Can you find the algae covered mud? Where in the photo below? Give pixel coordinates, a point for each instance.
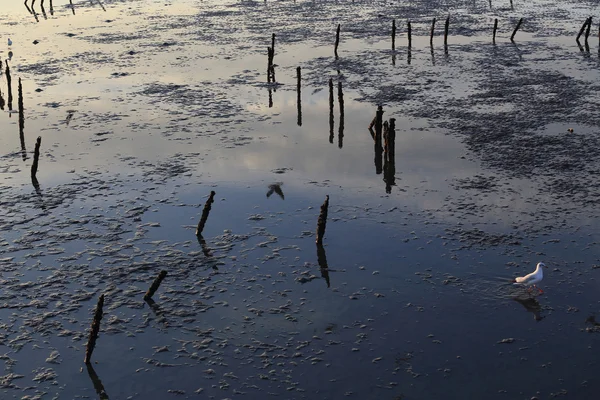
(144, 108)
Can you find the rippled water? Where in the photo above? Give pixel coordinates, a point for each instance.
(144, 107)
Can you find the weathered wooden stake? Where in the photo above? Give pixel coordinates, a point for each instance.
(322, 221)
(409, 35)
(341, 128)
(36, 157)
(446, 27)
(268, 65)
(21, 120)
(299, 90)
(155, 284)
(9, 84)
(94, 329)
(337, 40)
(587, 31)
(273, 43)
(512, 37)
(393, 34)
(495, 29)
(205, 212)
(432, 32)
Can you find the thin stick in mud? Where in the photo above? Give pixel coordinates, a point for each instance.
(393, 34)
(155, 285)
(409, 35)
(337, 41)
(331, 122)
(21, 119)
(205, 212)
(446, 27)
(495, 29)
(512, 37)
(432, 32)
(299, 90)
(585, 24)
(94, 329)
(587, 31)
(322, 221)
(36, 157)
(341, 103)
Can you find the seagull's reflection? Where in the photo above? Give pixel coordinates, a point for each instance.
(532, 305)
(276, 188)
(98, 386)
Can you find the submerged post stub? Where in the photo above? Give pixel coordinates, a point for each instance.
(512, 37)
(155, 284)
(36, 157)
(94, 329)
(322, 221)
(205, 212)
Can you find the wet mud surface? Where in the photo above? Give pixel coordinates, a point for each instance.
(144, 108)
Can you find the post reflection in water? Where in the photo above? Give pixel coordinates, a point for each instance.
(98, 386)
(341, 129)
(270, 97)
(378, 123)
(389, 166)
(205, 248)
(331, 110)
(322, 260)
(299, 100)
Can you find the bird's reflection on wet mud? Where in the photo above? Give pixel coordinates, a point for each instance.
(532, 305)
(276, 188)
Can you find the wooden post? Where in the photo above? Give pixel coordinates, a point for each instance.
(268, 65)
(393, 34)
(205, 212)
(337, 40)
(21, 121)
(322, 221)
(446, 27)
(587, 31)
(495, 29)
(299, 91)
(94, 329)
(36, 157)
(409, 35)
(155, 284)
(431, 33)
(582, 29)
(273, 43)
(341, 128)
(512, 37)
(9, 84)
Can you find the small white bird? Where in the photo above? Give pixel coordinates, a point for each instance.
(532, 278)
(9, 42)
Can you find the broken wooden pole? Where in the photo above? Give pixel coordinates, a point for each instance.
(94, 329)
(446, 27)
(155, 284)
(36, 157)
(205, 212)
(322, 221)
(409, 35)
(393, 34)
(432, 32)
(337, 40)
(495, 29)
(299, 97)
(512, 37)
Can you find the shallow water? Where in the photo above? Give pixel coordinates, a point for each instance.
(145, 107)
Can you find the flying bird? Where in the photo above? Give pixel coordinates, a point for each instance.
(276, 187)
(532, 278)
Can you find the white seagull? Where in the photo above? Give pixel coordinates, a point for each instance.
(532, 278)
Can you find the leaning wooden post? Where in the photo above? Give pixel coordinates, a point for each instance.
(495, 29)
(431, 33)
(155, 284)
(36, 157)
(582, 29)
(337, 40)
(409, 35)
(322, 221)
(94, 329)
(512, 37)
(446, 27)
(205, 212)
(393, 34)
